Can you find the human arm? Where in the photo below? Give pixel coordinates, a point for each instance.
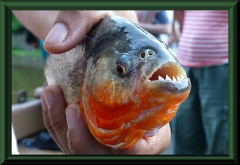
(176, 27)
(174, 37)
(146, 20)
(63, 30)
(38, 22)
(157, 28)
(179, 16)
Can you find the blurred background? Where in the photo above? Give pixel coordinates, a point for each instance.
(27, 84)
(27, 63)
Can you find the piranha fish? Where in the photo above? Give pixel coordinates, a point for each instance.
(128, 84)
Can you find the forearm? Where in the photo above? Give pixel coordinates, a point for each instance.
(157, 28)
(179, 16)
(63, 30)
(174, 37)
(38, 22)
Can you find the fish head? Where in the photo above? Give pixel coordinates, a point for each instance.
(133, 83)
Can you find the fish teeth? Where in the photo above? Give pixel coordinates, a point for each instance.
(168, 78)
(178, 78)
(160, 78)
(182, 77)
(174, 80)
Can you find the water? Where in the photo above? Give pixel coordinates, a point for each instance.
(26, 78)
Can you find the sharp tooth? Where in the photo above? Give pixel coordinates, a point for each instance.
(174, 79)
(168, 78)
(160, 78)
(178, 78)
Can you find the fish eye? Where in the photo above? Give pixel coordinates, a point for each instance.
(120, 69)
(123, 64)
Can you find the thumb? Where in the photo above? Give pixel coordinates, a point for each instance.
(69, 30)
(72, 26)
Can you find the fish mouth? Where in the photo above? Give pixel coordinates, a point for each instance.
(171, 76)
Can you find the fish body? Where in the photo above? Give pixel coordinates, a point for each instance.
(128, 84)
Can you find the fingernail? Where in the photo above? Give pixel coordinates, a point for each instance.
(44, 104)
(57, 34)
(49, 99)
(71, 117)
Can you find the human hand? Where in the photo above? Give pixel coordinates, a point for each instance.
(71, 27)
(63, 30)
(69, 130)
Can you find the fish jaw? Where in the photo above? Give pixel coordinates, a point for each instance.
(164, 86)
(168, 77)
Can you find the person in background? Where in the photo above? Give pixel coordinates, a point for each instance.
(62, 31)
(200, 126)
(174, 37)
(156, 22)
(165, 17)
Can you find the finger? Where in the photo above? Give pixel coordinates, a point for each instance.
(80, 140)
(54, 115)
(46, 119)
(150, 145)
(72, 26)
(69, 30)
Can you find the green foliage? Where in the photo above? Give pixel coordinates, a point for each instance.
(16, 51)
(16, 25)
(26, 78)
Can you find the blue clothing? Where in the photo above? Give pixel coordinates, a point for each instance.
(43, 51)
(200, 126)
(161, 17)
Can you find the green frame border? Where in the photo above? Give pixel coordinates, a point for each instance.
(5, 75)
